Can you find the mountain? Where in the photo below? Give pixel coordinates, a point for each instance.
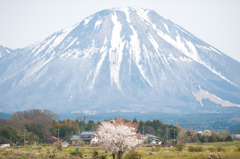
(5, 116)
(121, 59)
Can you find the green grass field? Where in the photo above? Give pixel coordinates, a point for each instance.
(228, 151)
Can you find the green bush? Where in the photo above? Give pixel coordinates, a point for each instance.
(96, 155)
(229, 138)
(179, 148)
(44, 145)
(76, 153)
(133, 155)
(219, 149)
(191, 149)
(195, 149)
(237, 149)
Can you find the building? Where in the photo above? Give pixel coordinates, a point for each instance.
(51, 140)
(5, 145)
(236, 136)
(85, 136)
(154, 139)
(65, 144)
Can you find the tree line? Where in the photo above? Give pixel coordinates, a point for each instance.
(40, 124)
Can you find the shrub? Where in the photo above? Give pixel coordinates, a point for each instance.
(195, 149)
(237, 149)
(219, 149)
(198, 149)
(76, 153)
(79, 143)
(229, 138)
(133, 155)
(179, 148)
(191, 149)
(155, 149)
(44, 145)
(96, 155)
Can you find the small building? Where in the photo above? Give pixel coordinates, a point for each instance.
(85, 136)
(199, 132)
(154, 139)
(65, 144)
(236, 136)
(5, 145)
(51, 140)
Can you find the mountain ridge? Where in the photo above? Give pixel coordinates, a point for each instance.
(130, 58)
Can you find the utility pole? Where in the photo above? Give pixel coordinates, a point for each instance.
(58, 134)
(10, 140)
(24, 136)
(174, 137)
(167, 136)
(143, 130)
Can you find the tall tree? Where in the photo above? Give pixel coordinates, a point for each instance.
(118, 136)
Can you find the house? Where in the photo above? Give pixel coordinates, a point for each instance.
(85, 136)
(199, 132)
(151, 137)
(51, 140)
(236, 136)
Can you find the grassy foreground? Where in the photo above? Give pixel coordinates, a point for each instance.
(227, 152)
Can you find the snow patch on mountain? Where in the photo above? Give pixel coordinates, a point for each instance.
(103, 50)
(189, 51)
(202, 94)
(61, 37)
(87, 20)
(71, 43)
(215, 50)
(136, 51)
(116, 50)
(97, 24)
(166, 27)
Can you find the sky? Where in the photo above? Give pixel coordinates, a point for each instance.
(216, 22)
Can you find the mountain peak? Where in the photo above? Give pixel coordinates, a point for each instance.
(129, 57)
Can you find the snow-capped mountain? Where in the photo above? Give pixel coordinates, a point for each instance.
(128, 59)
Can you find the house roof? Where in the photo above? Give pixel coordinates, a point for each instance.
(150, 135)
(53, 137)
(88, 132)
(78, 136)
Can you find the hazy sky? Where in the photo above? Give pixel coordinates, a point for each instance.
(217, 22)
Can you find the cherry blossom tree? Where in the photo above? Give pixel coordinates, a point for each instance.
(118, 136)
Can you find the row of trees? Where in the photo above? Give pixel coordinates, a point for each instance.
(40, 124)
(158, 129)
(192, 136)
(35, 123)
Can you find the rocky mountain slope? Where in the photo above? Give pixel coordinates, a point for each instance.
(126, 59)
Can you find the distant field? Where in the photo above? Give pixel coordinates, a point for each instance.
(165, 152)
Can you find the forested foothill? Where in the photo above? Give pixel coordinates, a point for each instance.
(40, 124)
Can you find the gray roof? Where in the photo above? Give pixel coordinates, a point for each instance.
(88, 132)
(78, 136)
